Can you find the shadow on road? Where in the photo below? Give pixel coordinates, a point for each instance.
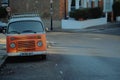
(25, 59)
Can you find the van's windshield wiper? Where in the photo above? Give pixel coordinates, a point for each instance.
(14, 32)
(28, 31)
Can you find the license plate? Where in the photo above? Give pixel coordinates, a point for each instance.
(26, 54)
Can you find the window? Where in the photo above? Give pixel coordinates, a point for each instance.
(25, 27)
(80, 3)
(73, 5)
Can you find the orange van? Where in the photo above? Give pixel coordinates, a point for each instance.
(26, 36)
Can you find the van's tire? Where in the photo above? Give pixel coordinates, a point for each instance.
(43, 56)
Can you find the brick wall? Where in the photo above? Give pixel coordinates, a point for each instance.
(40, 6)
(62, 8)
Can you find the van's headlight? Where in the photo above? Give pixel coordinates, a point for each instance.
(12, 45)
(39, 43)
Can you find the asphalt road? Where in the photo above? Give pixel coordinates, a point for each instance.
(72, 56)
(89, 56)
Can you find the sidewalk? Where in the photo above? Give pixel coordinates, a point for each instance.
(94, 28)
(57, 26)
(106, 26)
(3, 54)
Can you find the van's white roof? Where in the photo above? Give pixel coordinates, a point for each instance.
(24, 17)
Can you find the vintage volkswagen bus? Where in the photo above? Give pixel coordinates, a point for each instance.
(26, 36)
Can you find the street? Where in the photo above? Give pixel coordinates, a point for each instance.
(71, 56)
(60, 40)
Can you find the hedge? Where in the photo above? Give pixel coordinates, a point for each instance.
(116, 8)
(86, 13)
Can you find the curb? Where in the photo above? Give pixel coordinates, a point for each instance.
(3, 58)
(3, 55)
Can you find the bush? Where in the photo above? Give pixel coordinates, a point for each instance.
(77, 14)
(71, 14)
(116, 8)
(3, 12)
(86, 13)
(95, 13)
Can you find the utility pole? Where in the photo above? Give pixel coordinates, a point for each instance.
(51, 14)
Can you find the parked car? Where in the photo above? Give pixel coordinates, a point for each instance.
(26, 36)
(3, 26)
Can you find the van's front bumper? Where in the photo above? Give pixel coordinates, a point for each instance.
(27, 53)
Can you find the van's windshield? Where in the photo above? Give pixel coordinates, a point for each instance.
(25, 27)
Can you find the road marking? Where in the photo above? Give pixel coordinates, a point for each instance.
(97, 38)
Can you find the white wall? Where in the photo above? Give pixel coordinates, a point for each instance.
(118, 18)
(73, 24)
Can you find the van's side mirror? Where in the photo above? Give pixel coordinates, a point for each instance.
(4, 31)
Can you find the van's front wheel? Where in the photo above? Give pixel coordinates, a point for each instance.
(43, 56)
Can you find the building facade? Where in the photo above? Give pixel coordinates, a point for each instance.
(61, 8)
(79, 4)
